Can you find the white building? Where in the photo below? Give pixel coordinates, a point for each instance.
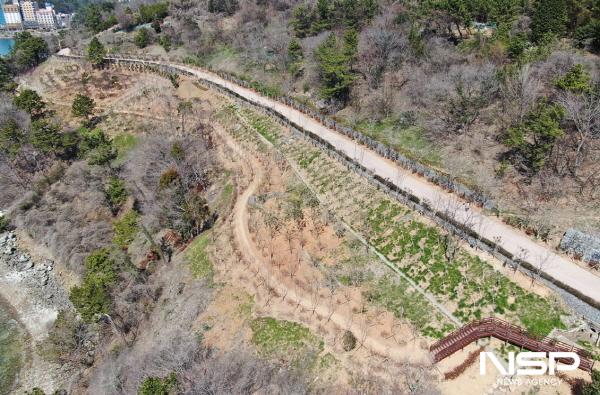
(46, 18)
(12, 15)
(63, 20)
(29, 10)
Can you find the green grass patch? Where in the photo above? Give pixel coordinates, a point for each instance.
(227, 193)
(409, 140)
(263, 126)
(327, 361)
(478, 289)
(306, 160)
(405, 303)
(197, 257)
(11, 349)
(283, 339)
(123, 143)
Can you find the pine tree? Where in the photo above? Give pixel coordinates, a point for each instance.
(29, 101)
(83, 106)
(295, 57)
(534, 138)
(302, 20)
(550, 17)
(95, 52)
(6, 77)
(142, 38)
(335, 68)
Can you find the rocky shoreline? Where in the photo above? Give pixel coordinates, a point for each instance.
(36, 297)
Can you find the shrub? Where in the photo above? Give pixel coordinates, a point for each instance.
(96, 146)
(158, 386)
(142, 38)
(93, 296)
(4, 223)
(165, 42)
(348, 341)
(66, 337)
(153, 12)
(116, 193)
(177, 151)
(101, 155)
(592, 388)
(125, 229)
(167, 178)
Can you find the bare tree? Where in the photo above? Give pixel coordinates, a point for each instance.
(584, 111)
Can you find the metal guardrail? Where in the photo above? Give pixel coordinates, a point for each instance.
(502, 330)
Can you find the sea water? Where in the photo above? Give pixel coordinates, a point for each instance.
(6, 45)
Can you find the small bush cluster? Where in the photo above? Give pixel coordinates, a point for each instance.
(93, 296)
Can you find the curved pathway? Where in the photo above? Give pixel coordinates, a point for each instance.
(371, 341)
(512, 240)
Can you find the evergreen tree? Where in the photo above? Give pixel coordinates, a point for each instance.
(30, 102)
(45, 136)
(11, 137)
(576, 80)
(302, 20)
(95, 52)
(324, 16)
(6, 77)
(550, 17)
(142, 38)
(295, 57)
(351, 45)
(335, 68)
(28, 51)
(83, 106)
(534, 138)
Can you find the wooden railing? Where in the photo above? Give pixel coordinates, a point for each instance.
(502, 330)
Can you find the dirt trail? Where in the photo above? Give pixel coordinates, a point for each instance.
(516, 242)
(372, 342)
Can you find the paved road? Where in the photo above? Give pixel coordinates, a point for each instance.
(516, 242)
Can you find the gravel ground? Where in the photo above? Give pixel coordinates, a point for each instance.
(36, 296)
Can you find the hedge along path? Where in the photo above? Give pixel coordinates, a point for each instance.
(374, 344)
(507, 241)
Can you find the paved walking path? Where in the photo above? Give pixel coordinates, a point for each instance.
(512, 240)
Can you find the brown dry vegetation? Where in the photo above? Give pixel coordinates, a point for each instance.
(274, 251)
(442, 102)
(164, 317)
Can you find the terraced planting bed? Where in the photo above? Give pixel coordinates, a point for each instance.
(466, 284)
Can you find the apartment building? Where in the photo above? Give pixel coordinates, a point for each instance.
(46, 18)
(29, 10)
(12, 16)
